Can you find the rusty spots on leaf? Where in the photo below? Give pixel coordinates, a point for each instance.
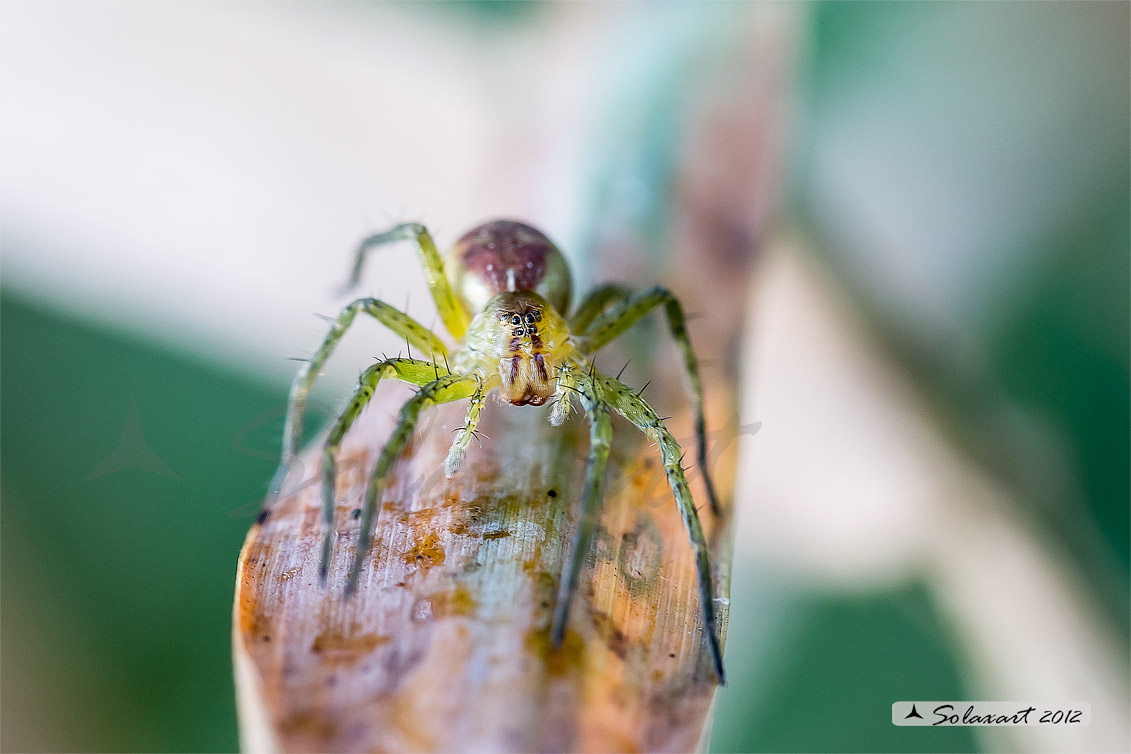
(309, 725)
(543, 580)
(426, 553)
(558, 661)
(640, 556)
(641, 475)
(457, 601)
(480, 532)
(338, 649)
(331, 642)
(252, 620)
(616, 639)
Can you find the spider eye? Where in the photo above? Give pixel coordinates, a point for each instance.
(516, 320)
(530, 318)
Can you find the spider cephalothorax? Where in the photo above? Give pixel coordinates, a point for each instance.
(503, 294)
(524, 337)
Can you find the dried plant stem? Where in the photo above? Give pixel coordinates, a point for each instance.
(445, 646)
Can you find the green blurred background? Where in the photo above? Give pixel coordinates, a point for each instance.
(961, 169)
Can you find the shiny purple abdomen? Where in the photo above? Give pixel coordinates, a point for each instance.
(494, 248)
(506, 255)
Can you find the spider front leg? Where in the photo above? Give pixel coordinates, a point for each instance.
(451, 313)
(412, 371)
(600, 436)
(567, 385)
(400, 323)
(463, 438)
(614, 322)
(450, 387)
(634, 408)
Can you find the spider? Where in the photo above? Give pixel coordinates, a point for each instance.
(502, 294)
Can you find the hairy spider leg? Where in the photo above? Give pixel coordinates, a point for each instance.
(567, 385)
(397, 321)
(614, 322)
(634, 408)
(463, 437)
(412, 371)
(453, 316)
(449, 387)
(600, 439)
(595, 305)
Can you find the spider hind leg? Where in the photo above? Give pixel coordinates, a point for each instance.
(631, 406)
(451, 313)
(595, 304)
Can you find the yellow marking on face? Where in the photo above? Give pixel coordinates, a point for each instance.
(520, 338)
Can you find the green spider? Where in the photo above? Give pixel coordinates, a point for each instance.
(501, 294)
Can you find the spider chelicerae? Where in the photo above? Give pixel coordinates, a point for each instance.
(503, 293)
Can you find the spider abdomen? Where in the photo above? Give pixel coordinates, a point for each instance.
(508, 256)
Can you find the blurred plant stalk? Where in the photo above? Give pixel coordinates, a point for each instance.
(858, 488)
